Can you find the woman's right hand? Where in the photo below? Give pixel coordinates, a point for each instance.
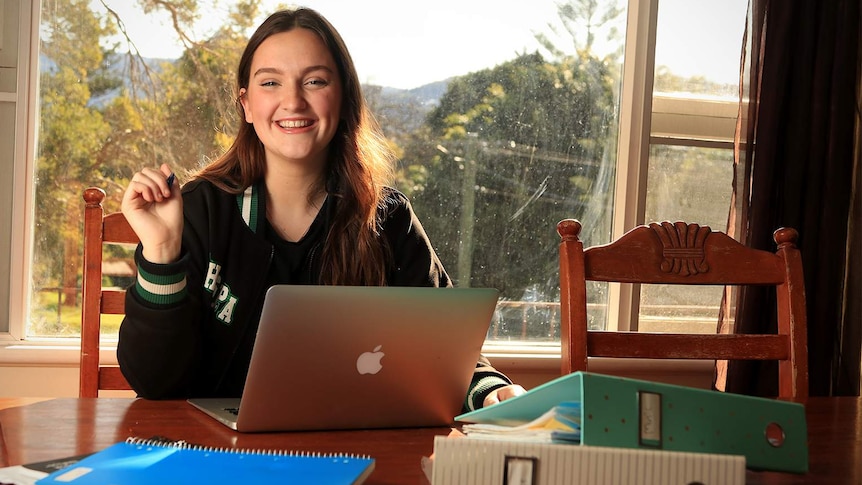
(155, 212)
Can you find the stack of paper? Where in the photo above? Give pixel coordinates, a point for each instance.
(561, 424)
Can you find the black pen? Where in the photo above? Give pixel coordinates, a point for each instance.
(171, 178)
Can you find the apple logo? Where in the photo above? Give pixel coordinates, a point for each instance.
(369, 362)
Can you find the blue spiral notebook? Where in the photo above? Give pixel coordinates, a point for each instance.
(141, 461)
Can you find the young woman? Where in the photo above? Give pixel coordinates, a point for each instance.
(301, 197)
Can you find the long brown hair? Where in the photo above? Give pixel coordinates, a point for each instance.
(359, 168)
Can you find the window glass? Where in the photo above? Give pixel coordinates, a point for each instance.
(689, 184)
(698, 46)
(503, 116)
(690, 169)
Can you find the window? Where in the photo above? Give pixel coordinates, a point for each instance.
(506, 120)
(14, 132)
(690, 159)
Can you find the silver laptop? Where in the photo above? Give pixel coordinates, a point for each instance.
(348, 357)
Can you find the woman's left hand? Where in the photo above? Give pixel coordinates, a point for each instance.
(502, 393)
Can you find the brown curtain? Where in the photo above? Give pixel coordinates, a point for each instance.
(795, 168)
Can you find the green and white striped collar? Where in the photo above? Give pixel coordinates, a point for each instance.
(249, 205)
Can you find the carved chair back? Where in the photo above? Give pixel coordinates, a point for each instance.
(684, 254)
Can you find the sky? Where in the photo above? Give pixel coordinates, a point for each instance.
(399, 44)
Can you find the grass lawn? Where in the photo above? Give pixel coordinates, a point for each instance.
(49, 319)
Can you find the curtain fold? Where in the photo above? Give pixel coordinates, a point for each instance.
(794, 167)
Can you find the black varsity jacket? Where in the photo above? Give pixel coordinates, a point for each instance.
(185, 321)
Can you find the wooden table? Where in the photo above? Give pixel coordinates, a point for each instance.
(36, 431)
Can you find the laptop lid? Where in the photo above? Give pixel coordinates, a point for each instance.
(345, 357)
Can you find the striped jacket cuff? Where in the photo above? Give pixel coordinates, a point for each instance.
(159, 284)
(480, 389)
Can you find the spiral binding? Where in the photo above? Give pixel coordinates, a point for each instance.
(185, 445)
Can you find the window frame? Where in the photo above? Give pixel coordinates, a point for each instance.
(26, 111)
(636, 101)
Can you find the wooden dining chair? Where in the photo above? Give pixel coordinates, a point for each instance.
(685, 254)
(99, 230)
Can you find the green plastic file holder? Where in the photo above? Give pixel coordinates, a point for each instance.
(631, 413)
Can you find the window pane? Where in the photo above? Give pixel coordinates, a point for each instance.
(679, 309)
(501, 130)
(689, 184)
(698, 46)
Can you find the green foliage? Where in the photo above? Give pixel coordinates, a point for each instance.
(71, 130)
(198, 117)
(104, 116)
(491, 169)
(668, 82)
(518, 147)
(580, 21)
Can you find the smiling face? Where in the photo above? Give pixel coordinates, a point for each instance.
(293, 98)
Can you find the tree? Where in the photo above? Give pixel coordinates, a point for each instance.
(186, 106)
(105, 114)
(668, 82)
(71, 130)
(581, 20)
(511, 150)
(516, 148)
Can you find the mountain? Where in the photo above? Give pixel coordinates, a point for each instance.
(402, 111)
(399, 111)
(428, 94)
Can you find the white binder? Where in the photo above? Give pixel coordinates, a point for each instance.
(481, 461)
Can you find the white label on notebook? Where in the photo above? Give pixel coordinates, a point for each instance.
(650, 418)
(73, 474)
